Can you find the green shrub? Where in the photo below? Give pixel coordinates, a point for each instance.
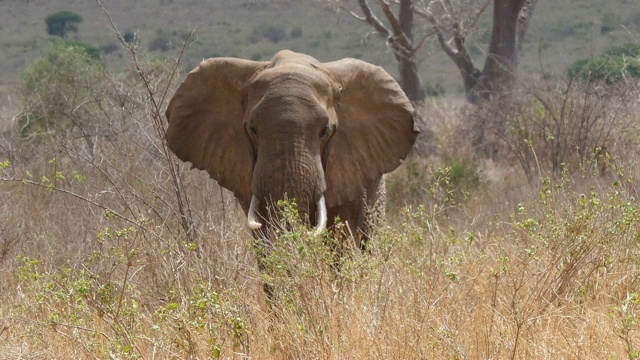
(631, 50)
(417, 183)
(91, 51)
(64, 93)
(616, 64)
(456, 181)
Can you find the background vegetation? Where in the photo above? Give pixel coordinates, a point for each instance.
(559, 34)
(513, 234)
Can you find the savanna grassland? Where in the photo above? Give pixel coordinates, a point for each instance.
(517, 237)
(560, 32)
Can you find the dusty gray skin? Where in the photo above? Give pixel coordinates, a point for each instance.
(321, 133)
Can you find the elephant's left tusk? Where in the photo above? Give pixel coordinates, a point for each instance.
(321, 216)
(251, 217)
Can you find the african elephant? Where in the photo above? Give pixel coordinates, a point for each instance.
(321, 133)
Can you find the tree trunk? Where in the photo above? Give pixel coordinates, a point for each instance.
(407, 66)
(410, 80)
(510, 22)
(399, 36)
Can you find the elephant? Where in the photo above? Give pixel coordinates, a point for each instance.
(292, 127)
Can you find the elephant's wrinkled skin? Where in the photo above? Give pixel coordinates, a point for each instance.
(321, 133)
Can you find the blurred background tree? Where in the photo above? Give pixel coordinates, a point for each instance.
(62, 22)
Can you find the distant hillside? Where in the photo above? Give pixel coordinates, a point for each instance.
(561, 32)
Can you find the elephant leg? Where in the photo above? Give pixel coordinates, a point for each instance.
(373, 211)
(360, 217)
(346, 229)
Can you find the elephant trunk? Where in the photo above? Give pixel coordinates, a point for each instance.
(321, 215)
(299, 178)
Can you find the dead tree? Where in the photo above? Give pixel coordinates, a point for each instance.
(510, 22)
(398, 32)
(448, 22)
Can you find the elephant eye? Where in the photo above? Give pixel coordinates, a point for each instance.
(253, 130)
(324, 131)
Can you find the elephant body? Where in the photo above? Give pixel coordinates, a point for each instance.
(323, 134)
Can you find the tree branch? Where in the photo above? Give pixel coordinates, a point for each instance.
(338, 5)
(391, 17)
(372, 19)
(459, 55)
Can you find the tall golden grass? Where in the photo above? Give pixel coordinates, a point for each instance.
(119, 251)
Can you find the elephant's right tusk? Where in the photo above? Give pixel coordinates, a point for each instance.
(321, 216)
(251, 217)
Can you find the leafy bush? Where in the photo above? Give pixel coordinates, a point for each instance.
(456, 180)
(616, 64)
(630, 50)
(92, 51)
(62, 22)
(64, 95)
(447, 185)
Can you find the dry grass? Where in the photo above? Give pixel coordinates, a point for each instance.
(120, 252)
(551, 278)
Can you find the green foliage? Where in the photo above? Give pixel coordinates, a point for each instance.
(616, 64)
(449, 184)
(92, 51)
(630, 50)
(62, 22)
(62, 90)
(268, 32)
(456, 180)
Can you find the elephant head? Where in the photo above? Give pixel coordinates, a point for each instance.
(315, 132)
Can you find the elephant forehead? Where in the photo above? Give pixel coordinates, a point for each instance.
(302, 109)
(291, 79)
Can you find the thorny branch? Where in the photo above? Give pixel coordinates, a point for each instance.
(183, 201)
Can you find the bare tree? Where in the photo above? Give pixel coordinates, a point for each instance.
(399, 36)
(452, 21)
(510, 22)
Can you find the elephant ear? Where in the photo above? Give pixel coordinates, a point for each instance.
(375, 129)
(206, 122)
